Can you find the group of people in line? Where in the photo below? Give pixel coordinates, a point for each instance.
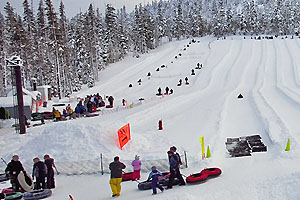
(117, 168)
(89, 104)
(42, 172)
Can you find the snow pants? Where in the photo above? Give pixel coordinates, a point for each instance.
(115, 184)
(175, 173)
(50, 179)
(136, 174)
(155, 184)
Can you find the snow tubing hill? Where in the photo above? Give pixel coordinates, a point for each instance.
(211, 172)
(127, 176)
(13, 195)
(37, 194)
(25, 182)
(163, 180)
(3, 177)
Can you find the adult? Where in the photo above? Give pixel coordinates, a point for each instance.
(39, 171)
(174, 170)
(13, 169)
(136, 164)
(49, 162)
(116, 168)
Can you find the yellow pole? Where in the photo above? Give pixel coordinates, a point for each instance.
(202, 147)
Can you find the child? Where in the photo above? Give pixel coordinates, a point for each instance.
(136, 164)
(154, 175)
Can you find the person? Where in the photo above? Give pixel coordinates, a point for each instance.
(136, 164)
(171, 91)
(186, 80)
(65, 113)
(111, 100)
(159, 91)
(116, 168)
(49, 162)
(13, 169)
(174, 170)
(173, 148)
(124, 102)
(154, 174)
(193, 72)
(180, 82)
(167, 90)
(56, 114)
(39, 171)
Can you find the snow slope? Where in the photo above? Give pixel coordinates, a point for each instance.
(266, 72)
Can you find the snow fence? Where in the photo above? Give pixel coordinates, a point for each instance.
(101, 165)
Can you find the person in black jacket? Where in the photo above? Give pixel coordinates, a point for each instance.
(116, 168)
(49, 162)
(39, 172)
(13, 169)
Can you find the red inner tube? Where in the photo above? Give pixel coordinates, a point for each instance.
(196, 178)
(212, 172)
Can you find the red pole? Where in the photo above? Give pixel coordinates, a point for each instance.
(160, 125)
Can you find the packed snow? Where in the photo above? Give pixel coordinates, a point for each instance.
(265, 72)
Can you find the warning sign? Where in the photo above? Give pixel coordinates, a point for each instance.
(124, 135)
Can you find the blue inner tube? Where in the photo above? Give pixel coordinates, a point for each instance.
(37, 194)
(13, 195)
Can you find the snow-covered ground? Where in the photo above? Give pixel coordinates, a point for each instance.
(266, 72)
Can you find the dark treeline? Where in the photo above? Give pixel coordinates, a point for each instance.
(68, 53)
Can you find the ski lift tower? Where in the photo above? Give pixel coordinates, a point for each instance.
(16, 63)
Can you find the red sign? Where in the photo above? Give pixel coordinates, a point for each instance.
(124, 135)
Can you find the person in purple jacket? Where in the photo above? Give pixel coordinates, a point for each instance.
(154, 174)
(136, 164)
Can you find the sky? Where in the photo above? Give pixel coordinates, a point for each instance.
(72, 7)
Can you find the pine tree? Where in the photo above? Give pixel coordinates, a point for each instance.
(3, 70)
(53, 46)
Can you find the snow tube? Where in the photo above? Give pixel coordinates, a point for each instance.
(211, 172)
(13, 195)
(7, 190)
(37, 194)
(163, 180)
(3, 177)
(197, 178)
(127, 176)
(92, 115)
(25, 181)
(48, 115)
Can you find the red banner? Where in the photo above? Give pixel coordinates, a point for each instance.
(124, 135)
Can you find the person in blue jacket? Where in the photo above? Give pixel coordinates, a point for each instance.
(154, 174)
(174, 169)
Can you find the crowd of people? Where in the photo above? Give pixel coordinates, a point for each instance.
(117, 168)
(42, 173)
(90, 104)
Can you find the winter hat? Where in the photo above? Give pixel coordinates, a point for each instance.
(137, 157)
(170, 152)
(174, 148)
(116, 158)
(153, 168)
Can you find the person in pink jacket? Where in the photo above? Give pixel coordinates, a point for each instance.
(136, 168)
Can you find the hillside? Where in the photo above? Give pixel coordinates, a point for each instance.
(265, 72)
